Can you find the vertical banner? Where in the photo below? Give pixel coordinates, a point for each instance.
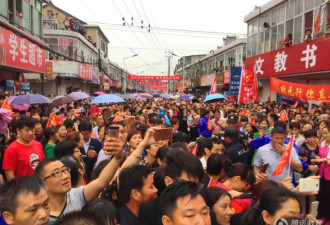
(235, 77)
(248, 90)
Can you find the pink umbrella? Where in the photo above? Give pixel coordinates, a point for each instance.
(99, 93)
(18, 107)
(147, 96)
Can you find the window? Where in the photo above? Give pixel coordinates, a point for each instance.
(36, 22)
(3, 8)
(273, 40)
(38, 5)
(274, 18)
(309, 20)
(281, 14)
(255, 26)
(250, 29)
(280, 35)
(248, 44)
(290, 10)
(267, 37)
(261, 42)
(289, 27)
(27, 15)
(318, 2)
(298, 7)
(297, 30)
(309, 4)
(254, 44)
(261, 23)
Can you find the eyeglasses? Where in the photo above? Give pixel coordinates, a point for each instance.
(59, 173)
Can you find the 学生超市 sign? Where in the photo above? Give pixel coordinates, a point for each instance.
(19, 52)
(156, 77)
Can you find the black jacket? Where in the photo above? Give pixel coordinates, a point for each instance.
(91, 162)
(236, 151)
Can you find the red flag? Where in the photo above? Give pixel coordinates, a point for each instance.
(232, 98)
(209, 126)
(214, 86)
(283, 116)
(286, 157)
(317, 22)
(195, 150)
(295, 104)
(53, 121)
(6, 105)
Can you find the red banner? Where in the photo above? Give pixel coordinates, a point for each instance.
(85, 72)
(151, 83)
(49, 70)
(20, 53)
(156, 77)
(300, 58)
(301, 91)
(158, 87)
(248, 91)
(226, 77)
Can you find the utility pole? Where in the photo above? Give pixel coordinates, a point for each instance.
(168, 55)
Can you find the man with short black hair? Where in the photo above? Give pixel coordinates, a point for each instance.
(136, 186)
(271, 153)
(232, 121)
(91, 147)
(23, 155)
(24, 201)
(182, 203)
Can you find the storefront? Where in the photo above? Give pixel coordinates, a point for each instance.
(19, 56)
(305, 63)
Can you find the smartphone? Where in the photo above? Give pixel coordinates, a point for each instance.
(313, 208)
(264, 167)
(113, 132)
(309, 185)
(163, 134)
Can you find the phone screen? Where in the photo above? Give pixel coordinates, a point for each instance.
(163, 134)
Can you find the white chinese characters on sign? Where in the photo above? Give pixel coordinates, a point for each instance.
(23, 51)
(280, 61)
(39, 57)
(310, 57)
(259, 63)
(13, 46)
(32, 54)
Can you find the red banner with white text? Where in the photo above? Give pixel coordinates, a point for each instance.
(85, 71)
(300, 58)
(301, 91)
(155, 77)
(158, 87)
(18, 52)
(151, 83)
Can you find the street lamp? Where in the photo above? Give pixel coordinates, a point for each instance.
(182, 69)
(125, 79)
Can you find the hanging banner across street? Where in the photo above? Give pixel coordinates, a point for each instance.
(156, 77)
(301, 91)
(151, 83)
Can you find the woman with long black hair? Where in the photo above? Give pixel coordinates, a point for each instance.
(49, 142)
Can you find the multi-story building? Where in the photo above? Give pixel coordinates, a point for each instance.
(199, 71)
(306, 60)
(22, 51)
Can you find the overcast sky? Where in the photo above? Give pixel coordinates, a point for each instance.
(215, 17)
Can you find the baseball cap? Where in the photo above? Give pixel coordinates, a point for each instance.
(232, 118)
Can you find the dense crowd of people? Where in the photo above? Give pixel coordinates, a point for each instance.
(117, 164)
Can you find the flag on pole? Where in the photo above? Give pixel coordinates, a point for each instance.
(6, 116)
(283, 116)
(295, 104)
(209, 125)
(214, 86)
(317, 22)
(211, 183)
(6, 105)
(195, 150)
(286, 157)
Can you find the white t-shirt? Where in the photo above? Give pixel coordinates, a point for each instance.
(75, 200)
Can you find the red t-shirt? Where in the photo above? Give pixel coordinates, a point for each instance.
(23, 158)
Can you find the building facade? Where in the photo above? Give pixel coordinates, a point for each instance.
(199, 71)
(270, 24)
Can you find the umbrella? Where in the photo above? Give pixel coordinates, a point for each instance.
(156, 95)
(18, 107)
(147, 96)
(99, 93)
(213, 98)
(79, 95)
(107, 98)
(164, 96)
(291, 101)
(30, 99)
(186, 98)
(62, 101)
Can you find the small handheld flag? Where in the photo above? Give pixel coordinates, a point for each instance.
(286, 157)
(283, 116)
